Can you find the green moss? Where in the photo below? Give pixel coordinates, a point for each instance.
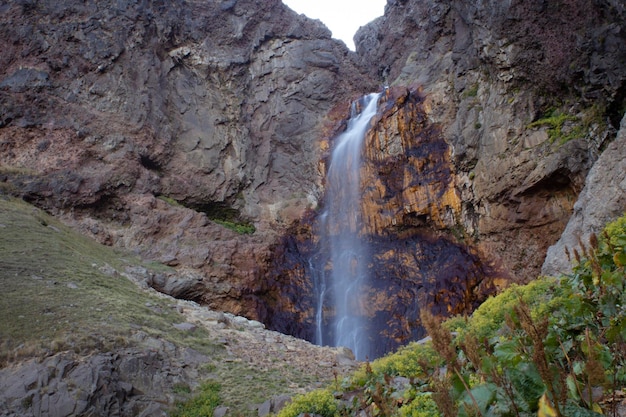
(470, 92)
(555, 122)
(170, 201)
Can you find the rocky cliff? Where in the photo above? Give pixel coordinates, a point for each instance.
(195, 133)
(528, 94)
(150, 126)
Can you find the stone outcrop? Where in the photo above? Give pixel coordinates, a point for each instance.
(128, 382)
(601, 201)
(527, 94)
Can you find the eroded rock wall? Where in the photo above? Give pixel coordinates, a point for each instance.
(527, 95)
(418, 255)
(142, 122)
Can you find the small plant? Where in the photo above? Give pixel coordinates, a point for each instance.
(471, 92)
(170, 201)
(555, 122)
(319, 402)
(241, 228)
(202, 403)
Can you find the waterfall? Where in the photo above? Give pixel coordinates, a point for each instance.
(340, 273)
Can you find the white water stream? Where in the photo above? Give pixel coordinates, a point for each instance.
(342, 277)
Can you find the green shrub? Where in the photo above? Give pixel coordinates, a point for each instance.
(544, 346)
(321, 402)
(488, 318)
(421, 405)
(407, 362)
(202, 403)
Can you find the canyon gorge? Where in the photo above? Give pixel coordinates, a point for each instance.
(198, 135)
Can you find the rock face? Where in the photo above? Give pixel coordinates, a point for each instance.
(125, 383)
(418, 257)
(152, 126)
(527, 94)
(600, 202)
(141, 123)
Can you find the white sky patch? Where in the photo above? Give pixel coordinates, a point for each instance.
(342, 17)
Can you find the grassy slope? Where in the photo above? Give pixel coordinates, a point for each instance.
(62, 291)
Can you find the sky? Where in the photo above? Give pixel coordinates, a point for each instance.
(342, 17)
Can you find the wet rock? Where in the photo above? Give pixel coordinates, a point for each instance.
(485, 70)
(417, 256)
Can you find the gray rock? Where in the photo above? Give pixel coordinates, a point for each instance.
(186, 327)
(264, 409)
(602, 200)
(186, 285)
(220, 411)
(279, 402)
(26, 78)
(127, 383)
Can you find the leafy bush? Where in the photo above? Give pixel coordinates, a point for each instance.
(411, 361)
(487, 319)
(421, 405)
(321, 402)
(550, 355)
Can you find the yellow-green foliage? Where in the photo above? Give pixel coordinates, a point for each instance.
(321, 402)
(421, 406)
(489, 317)
(406, 362)
(202, 404)
(615, 231)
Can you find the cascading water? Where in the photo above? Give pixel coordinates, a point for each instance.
(358, 272)
(340, 273)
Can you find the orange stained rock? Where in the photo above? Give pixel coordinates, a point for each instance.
(407, 169)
